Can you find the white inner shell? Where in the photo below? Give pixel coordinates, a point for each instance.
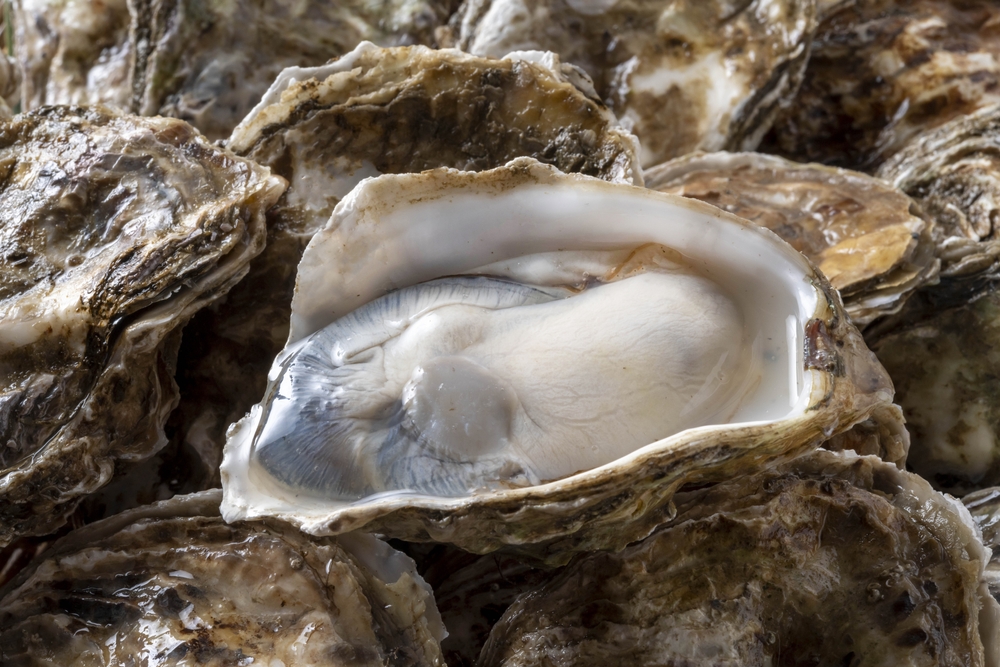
(471, 383)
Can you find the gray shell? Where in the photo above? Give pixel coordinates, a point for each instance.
(171, 583)
(832, 559)
(117, 229)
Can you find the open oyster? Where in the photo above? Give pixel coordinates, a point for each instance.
(375, 111)
(833, 559)
(683, 75)
(595, 347)
(207, 62)
(173, 584)
(862, 234)
(881, 71)
(116, 230)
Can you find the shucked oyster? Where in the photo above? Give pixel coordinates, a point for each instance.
(861, 233)
(833, 559)
(375, 111)
(683, 75)
(173, 584)
(596, 346)
(116, 230)
(881, 71)
(207, 62)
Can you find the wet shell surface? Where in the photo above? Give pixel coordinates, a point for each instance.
(172, 584)
(456, 334)
(833, 559)
(683, 76)
(117, 229)
(864, 235)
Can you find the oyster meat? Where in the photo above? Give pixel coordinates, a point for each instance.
(375, 111)
(207, 62)
(117, 229)
(171, 583)
(881, 71)
(864, 235)
(470, 409)
(684, 76)
(833, 559)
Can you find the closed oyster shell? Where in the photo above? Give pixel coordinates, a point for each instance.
(864, 235)
(117, 229)
(375, 111)
(953, 171)
(173, 584)
(377, 242)
(881, 71)
(205, 62)
(683, 76)
(832, 559)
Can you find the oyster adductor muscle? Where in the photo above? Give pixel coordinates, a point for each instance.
(375, 110)
(526, 357)
(204, 61)
(832, 559)
(864, 235)
(116, 230)
(172, 583)
(684, 75)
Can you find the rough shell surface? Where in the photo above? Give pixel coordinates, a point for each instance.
(863, 234)
(116, 230)
(881, 71)
(172, 583)
(832, 559)
(375, 111)
(609, 506)
(953, 171)
(207, 62)
(683, 76)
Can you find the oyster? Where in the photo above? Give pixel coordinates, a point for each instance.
(722, 350)
(984, 505)
(173, 584)
(117, 229)
(205, 62)
(862, 234)
(833, 559)
(683, 76)
(954, 172)
(881, 71)
(375, 111)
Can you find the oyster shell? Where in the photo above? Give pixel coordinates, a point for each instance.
(375, 111)
(943, 363)
(833, 559)
(862, 234)
(117, 229)
(984, 505)
(396, 232)
(205, 62)
(683, 76)
(173, 584)
(881, 71)
(954, 172)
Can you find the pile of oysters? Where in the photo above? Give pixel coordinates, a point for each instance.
(305, 355)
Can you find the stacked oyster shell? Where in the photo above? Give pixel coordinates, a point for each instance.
(430, 293)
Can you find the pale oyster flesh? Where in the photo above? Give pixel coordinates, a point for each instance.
(207, 62)
(685, 75)
(173, 584)
(832, 559)
(461, 384)
(864, 235)
(764, 327)
(116, 230)
(374, 111)
(881, 71)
